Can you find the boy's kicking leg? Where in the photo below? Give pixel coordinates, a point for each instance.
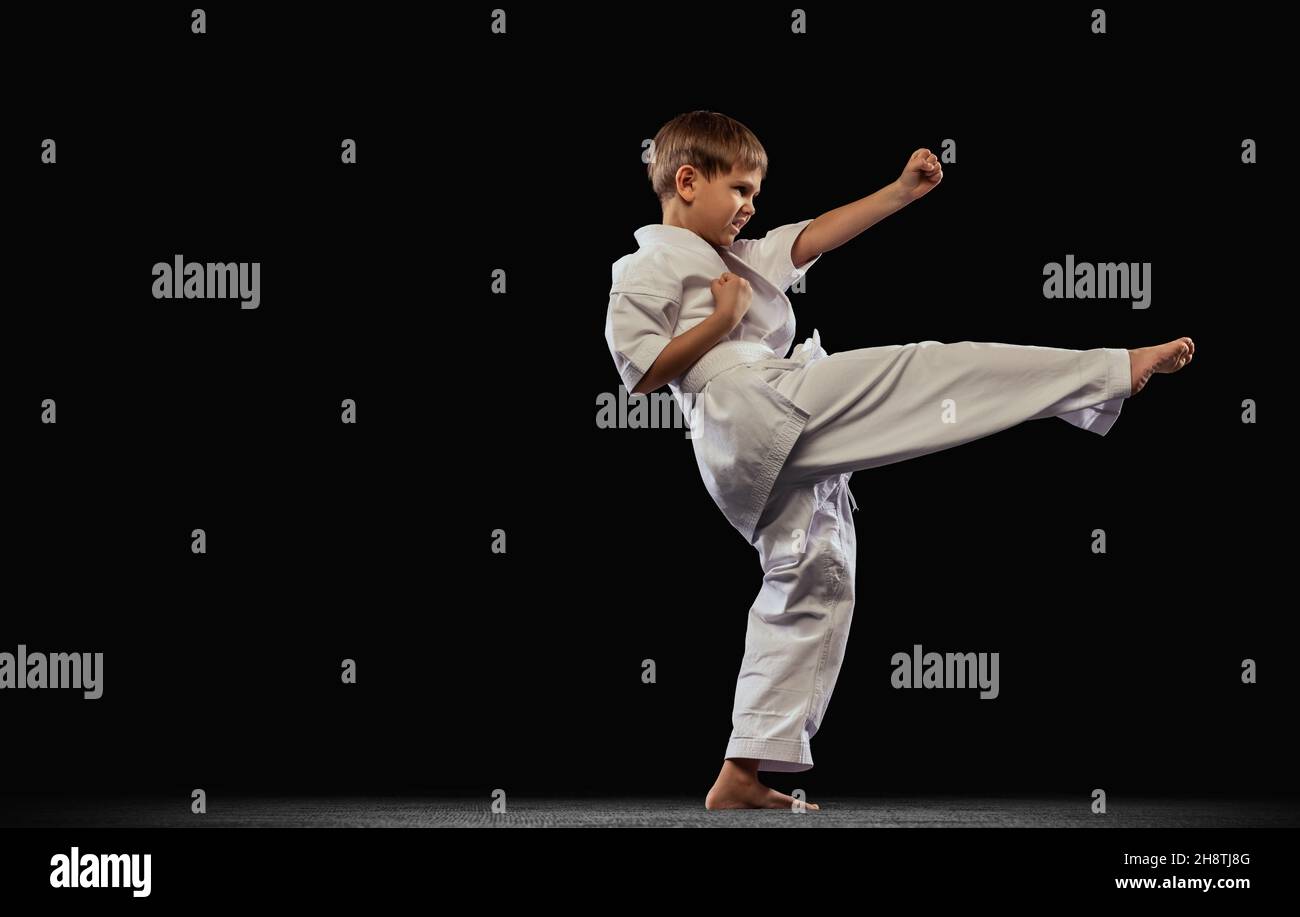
(879, 405)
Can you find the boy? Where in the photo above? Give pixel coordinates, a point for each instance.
(777, 436)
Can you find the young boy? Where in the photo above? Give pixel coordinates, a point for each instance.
(777, 434)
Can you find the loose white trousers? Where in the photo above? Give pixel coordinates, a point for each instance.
(871, 407)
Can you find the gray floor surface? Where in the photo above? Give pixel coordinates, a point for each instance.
(669, 812)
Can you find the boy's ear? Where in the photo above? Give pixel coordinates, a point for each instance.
(687, 180)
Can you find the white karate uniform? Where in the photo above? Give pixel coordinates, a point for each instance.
(777, 436)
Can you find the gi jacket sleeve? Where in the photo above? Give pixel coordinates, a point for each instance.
(770, 255)
(643, 310)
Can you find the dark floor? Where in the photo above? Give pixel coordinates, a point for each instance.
(669, 812)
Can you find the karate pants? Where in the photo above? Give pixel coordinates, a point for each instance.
(872, 407)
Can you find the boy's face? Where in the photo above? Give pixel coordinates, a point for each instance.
(720, 204)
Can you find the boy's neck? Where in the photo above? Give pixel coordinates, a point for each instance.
(673, 218)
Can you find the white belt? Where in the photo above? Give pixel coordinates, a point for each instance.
(810, 353)
(730, 354)
(721, 358)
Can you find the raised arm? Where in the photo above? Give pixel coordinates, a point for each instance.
(835, 227)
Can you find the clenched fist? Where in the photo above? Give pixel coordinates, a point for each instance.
(922, 172)
(731, 296)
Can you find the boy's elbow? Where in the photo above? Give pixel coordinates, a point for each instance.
(644, 384)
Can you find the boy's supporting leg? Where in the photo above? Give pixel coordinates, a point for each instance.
(798, 626)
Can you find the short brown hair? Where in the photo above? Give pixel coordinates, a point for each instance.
(712, 142)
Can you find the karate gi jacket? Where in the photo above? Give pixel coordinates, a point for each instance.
(742, 428)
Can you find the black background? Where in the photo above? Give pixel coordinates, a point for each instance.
(477, 411)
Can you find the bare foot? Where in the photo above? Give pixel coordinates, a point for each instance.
(737, 787)
(1162, 358)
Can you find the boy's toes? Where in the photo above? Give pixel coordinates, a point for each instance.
(779, 800)
(1172, 356)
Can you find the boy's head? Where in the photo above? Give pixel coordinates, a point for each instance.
(707, 169)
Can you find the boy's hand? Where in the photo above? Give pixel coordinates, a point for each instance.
(921, 173)
(731, 295)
